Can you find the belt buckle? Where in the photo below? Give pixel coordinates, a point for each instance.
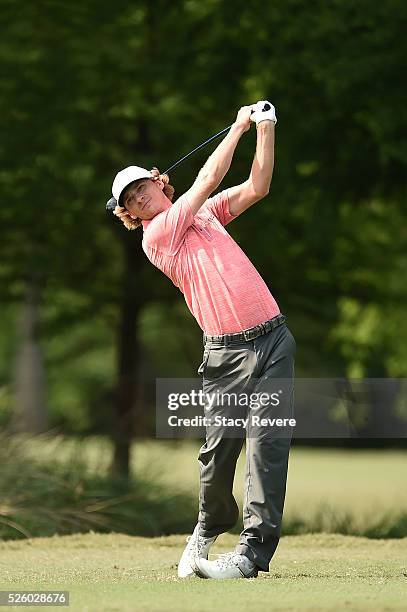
(246, 335)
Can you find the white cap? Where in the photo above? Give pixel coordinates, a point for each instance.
(127, 176)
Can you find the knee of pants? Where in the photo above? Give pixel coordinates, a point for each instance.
(225, 451)
(267, 446)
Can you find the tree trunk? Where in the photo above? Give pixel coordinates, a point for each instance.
(30, 413)
(133, 298)
(128, 353)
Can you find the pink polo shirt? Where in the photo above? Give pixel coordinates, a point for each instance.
(222, 288)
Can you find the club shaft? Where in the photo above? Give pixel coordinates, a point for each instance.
(197, 148)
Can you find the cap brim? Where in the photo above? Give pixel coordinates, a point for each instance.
(120, 201)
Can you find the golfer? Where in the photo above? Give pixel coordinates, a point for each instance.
(247, 344)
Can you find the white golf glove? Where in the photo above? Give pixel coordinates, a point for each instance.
(263, 110)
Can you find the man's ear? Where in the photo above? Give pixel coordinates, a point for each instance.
(160, 183)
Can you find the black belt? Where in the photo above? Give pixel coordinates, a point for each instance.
(247, 334)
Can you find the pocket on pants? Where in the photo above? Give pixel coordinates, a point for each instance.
(293, 342)
(205, 358)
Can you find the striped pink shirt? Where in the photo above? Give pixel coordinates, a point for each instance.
(222, 288)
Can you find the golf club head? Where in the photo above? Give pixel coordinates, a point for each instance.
(111, 204)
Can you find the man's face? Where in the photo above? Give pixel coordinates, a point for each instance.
(146, 199)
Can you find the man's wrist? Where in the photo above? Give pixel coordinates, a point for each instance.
(237, 129)
(266, 124)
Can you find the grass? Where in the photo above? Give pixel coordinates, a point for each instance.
(57, 484)
(111, 572)
(354, 492)
(328, 490)
(42, 496)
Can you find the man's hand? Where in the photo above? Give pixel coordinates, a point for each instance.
(264, 110)
(243, 117)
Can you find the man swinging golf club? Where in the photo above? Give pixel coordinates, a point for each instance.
(246, 340)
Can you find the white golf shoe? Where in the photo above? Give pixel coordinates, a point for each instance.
(197, 547)
(226, 566)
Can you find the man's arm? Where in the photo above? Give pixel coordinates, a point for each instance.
(257, 185)
(218, 163)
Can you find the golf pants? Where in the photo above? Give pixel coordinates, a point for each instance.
(264, 364)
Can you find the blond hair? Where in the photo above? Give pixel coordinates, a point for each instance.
(124, 215)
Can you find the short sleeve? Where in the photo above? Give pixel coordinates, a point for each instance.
(166, 232)
(219, 206)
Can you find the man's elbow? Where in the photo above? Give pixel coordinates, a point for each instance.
(260, 188)
(262, 193)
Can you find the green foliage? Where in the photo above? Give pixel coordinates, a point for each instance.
(329, 519)
(89, 88)
(43, 498)
(56, 485)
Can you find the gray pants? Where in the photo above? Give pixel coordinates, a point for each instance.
(252, 367)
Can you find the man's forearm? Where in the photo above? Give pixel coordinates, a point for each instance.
(263, 162)
(218, 163)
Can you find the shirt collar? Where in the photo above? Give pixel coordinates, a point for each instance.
(145, 223)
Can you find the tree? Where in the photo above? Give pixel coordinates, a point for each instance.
(91, 88)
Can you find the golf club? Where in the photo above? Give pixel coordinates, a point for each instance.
(112, 203)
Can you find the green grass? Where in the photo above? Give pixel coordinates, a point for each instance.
(43, 496)
(360, 492)
(329, 490)
(116, 572)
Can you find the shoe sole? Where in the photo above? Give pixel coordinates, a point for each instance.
(187, 577)
(200, 574)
